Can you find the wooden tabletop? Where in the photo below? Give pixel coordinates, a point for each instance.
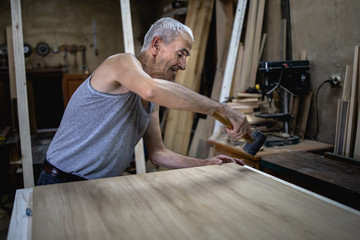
(211, 202)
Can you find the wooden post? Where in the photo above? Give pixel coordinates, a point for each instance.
(129, 48)
(231, 58)
(23, 111)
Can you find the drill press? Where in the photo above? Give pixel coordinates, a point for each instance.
(287, 77)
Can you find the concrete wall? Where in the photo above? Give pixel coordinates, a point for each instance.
(329, 31)
(59, 22)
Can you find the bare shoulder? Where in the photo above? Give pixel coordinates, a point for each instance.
(107, 76)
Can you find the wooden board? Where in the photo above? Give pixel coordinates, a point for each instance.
(211, 202)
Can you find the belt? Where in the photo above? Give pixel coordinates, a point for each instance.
(57, 173)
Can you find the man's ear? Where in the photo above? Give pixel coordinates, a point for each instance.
(155, 45)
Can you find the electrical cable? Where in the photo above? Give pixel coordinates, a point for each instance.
(316, 106)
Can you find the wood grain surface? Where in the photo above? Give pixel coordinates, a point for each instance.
(211, 202)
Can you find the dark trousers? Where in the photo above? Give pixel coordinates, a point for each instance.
(55, 175)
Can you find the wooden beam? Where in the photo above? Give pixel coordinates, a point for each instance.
(232, 54)
(23, 111)
(129, 48)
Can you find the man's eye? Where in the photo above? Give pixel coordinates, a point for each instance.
(180, 55)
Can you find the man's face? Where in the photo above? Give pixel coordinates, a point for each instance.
(172, 57)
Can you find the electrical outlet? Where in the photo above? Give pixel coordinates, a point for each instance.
(336, 79)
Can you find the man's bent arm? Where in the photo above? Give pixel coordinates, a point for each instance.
(162, 156)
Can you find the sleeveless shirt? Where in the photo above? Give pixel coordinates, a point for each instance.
(98, 132)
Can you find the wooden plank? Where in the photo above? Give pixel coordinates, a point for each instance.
(232, 54)
(20, 223)
(357, 137)
(179, 123)
(189, 204)
(346, 93)
(258, 32)
(303, 115)
(343, 113)
(337, 127)
(262, 46)
(23, 111)
(238, 86)
(129, 48)
(351, 128)
(249, 45)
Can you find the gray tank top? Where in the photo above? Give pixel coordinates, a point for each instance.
(98, 132)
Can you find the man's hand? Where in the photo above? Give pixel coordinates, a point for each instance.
(240, 124)
(220, 159)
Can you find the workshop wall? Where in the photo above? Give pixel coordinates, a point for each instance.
(67, 22)
(329, 31)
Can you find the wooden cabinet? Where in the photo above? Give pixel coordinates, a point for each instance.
(70, 83)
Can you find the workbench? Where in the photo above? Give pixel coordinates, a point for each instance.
(334, 178)
(222, 147)
(212, 202)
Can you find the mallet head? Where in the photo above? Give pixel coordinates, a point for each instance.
(254, 147)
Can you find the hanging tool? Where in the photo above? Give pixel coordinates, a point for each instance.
(73, 51)
(64, 48)
(254, 142)
(42, 49)
(84, 68)
(27, 50)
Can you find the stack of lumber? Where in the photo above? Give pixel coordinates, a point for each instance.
(245, 102)
(347, 137)
(251, 104)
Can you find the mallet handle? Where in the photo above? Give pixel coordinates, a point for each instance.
(229, 125)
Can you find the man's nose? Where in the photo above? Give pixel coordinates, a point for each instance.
(182, 63)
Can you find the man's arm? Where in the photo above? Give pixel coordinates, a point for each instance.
(127, 71)
(159, 155)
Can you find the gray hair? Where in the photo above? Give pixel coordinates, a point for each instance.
(167, 29)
